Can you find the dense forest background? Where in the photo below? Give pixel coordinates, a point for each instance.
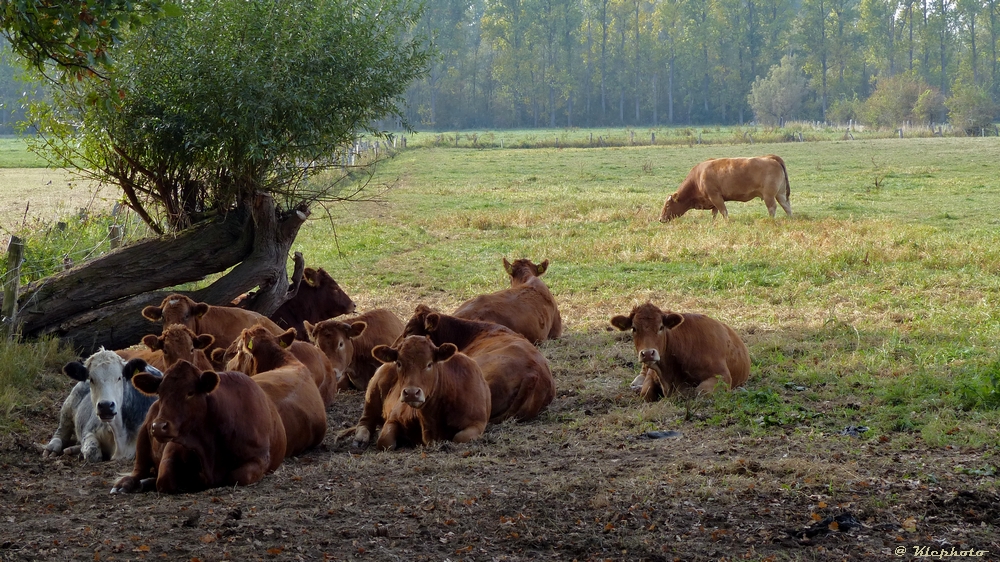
(584, 63)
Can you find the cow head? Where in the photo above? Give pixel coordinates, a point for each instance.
(673, 208)
(178, 342)
(103, 371)
(183, 398)
(650, 330)
(523, 269)
(417, 362)
(176, 309)
(336, 340)
(325, 295)
(419, 324)
(257, 349)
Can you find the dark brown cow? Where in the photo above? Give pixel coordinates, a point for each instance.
(349, 344)
(517, 373)
(287, 382)
(319, 297)
(681, 351)
(527, 307)
(205, 430)
(178, 342)
(223, 322)
(713, 182)
(439, 394)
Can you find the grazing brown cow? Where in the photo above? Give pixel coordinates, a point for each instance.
(223, 322)
(439, 395)
(713, 182)
(349, 344)
(527, 307)
(684, 350)
(287, 382)
(206, 430)
(517, 373)
(178, 342)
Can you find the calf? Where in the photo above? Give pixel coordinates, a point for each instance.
(683, 351)
(223, 322)
(101, 417)
(178, 342)
(517, 373)
(287, 382)
(349, 344)
(527, 307)
(439, 392)
(206, 430)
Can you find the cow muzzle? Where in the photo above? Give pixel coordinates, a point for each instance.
(106, 411)
(650, 355)
(413, 396)
(162, 431)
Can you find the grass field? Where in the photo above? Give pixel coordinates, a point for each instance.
(874, 306)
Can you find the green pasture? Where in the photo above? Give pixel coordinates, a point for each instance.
(875, 305)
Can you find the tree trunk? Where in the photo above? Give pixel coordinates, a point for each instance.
(98, 303)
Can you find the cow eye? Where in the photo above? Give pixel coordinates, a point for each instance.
(661, 329)
(429, 365)
(341, 346)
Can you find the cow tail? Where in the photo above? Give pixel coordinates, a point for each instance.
(788, 188)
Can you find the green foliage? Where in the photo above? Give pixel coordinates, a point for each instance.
(970, 107)
(981, 390)
(843, 109)
(778, 97)
(21, 364)
(930, 107)
(235, 98)
(892, 103)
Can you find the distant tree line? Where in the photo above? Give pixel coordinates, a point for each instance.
(579, 63)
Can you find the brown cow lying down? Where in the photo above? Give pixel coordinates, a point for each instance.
(349, 344)
(287, 382)
(518, 375)
(319, 297)
(527, 307)
(424, 393)
(223, 322)
(178, 342)
(713, 182)
(681, 351)
(205, 430)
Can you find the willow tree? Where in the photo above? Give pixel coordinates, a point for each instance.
(218, 124)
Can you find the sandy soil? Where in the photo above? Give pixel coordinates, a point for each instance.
(579, 483)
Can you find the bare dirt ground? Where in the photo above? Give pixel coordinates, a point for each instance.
(579, 483)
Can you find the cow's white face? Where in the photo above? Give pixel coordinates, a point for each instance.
(107, 389)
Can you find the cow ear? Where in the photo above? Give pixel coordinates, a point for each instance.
(133, 368)
(385, 353)
(508, 267)
(671, 320)
(207, 382)
(199, 309)
(76, 371)
(310, 330)
(218, 355)
(623, 323)
(288, 338)
(146, 383)
(542, 267)
(203, 341)
(153, 313)
(357, 329)
(153, 342)
(445, 352)
(309, 276)
(432, 321)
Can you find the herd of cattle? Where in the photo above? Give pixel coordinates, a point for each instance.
(224, 394)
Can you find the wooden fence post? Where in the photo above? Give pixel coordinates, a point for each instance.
(115, 233)
(15, 253)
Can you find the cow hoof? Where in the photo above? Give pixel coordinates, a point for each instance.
(126, 485)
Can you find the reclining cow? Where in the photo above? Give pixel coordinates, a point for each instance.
(424, 393)
(206, 430)
(527, 307)
(518, 375)
(102, 415)
(349, 344)
(682, 351)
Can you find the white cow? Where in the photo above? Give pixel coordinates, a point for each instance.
(102, 415)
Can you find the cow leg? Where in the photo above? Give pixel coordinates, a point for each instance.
(720, 206)
(250, 472)
(90, 449)
(708, 386)
(651, 389)
(64, 433)
(771, 205)
(387, 438)
(785, 204)
(469, 433)
(181, 471)
(143, 467)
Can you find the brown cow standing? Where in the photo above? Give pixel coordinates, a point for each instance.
(440, 394)
(205, 430)
(527, 307)
(349, 344)
(517, 373)
(287, 382)
(713, 182)
(223, 322)
(178, 342)
(684, 350)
